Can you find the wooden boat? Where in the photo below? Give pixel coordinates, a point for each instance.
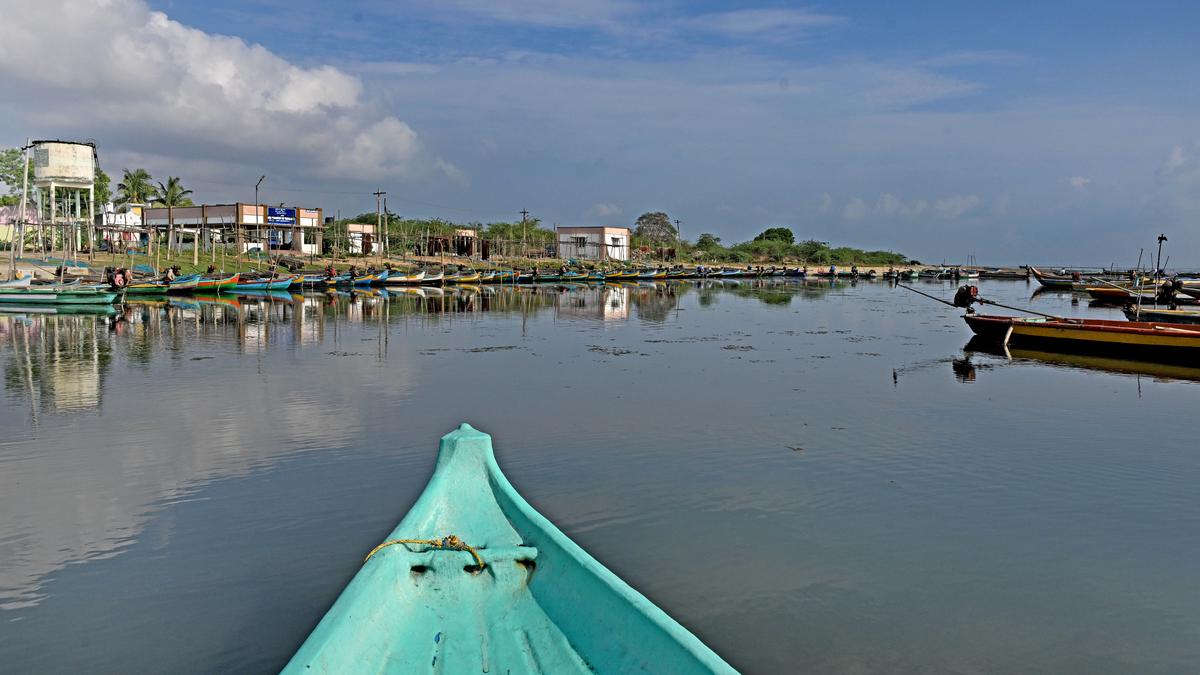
(22, 282)
(1004, 273)
(156, 287)
(474, 580)
(1119, 296)
(1051, 280)
(1134, 313)
(218, 284)
(468, 278)
(368, 279)
(1141, 339)
(184, 284)
(277, 284)
(574, 276)
(398, 279)
(435, 278)
(58, 296)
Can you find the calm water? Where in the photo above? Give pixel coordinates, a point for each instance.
(812, 478)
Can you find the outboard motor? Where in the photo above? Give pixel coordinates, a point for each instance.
(966, 296)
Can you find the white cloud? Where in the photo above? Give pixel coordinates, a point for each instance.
(560, 13)
(745, 23)
(1175, 160)
(953, 207)
(826, 203)
(155, 85)
(855, 209)
(1079, 182)
(606, 210)
(976, 58)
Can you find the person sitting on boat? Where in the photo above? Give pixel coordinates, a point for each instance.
(170, 275)
(854, 270)
(119, 279)
(832, 269)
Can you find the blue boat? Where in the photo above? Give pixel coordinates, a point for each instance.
(474, 580)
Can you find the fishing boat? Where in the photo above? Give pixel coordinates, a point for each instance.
(207, 285)
(184, 284)
(474, 580)
(156, 287)
(1051, 280)
(1004, 273)
(1135, 313)
(468, 278)
(435, 278)
(574, 276)
(1150, 340)
(398, 279)
(261, 284)
(50, 295)
(22, 282)
(1113, 295)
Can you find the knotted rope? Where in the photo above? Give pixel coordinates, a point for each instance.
(449, 542)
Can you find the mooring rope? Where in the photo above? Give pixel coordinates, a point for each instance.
(449, 542)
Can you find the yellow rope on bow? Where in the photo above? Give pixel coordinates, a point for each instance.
(450, 542)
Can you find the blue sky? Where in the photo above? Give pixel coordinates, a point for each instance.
(1040, 132)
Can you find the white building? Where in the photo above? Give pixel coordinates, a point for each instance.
(593, 243)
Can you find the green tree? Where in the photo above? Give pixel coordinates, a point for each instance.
(655, 227)
(171, 193)
(136, 187)
(783, 234)
(103, 189)
(708, 241)
(11, 174)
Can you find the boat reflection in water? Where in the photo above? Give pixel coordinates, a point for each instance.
(964, 369)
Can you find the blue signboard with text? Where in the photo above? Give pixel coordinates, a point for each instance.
(277, 215)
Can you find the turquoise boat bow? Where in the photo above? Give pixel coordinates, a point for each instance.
(474, 580)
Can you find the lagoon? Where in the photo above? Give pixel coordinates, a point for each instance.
(811, 476)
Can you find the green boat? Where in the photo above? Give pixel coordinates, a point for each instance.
(474, 580)
(51, 295)
(147, 288)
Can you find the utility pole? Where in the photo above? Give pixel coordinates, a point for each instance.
(524, 239)
(678, 237)
(378, 217)
(387, 225)
(1158, 263)
(259, 216)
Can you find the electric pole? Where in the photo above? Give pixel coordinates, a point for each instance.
(524, 245)
(378, 218)
(1158, 264)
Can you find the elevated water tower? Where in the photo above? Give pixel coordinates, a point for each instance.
(64, 176)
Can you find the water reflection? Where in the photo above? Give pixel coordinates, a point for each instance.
(158, 506)
(1084, 362)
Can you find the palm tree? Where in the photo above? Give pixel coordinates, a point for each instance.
(136, 187)
(171, 194)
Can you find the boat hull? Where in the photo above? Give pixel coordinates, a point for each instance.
(36, 296)
(539, 603)
(1167, 342)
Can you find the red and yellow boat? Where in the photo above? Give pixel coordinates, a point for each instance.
(1169, 342)
(219, 284)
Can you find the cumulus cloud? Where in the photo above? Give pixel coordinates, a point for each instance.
(1079, 182)
(953, 207)
(153, 84)
(606, 210)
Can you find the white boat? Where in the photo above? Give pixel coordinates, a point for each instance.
(23, 282)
